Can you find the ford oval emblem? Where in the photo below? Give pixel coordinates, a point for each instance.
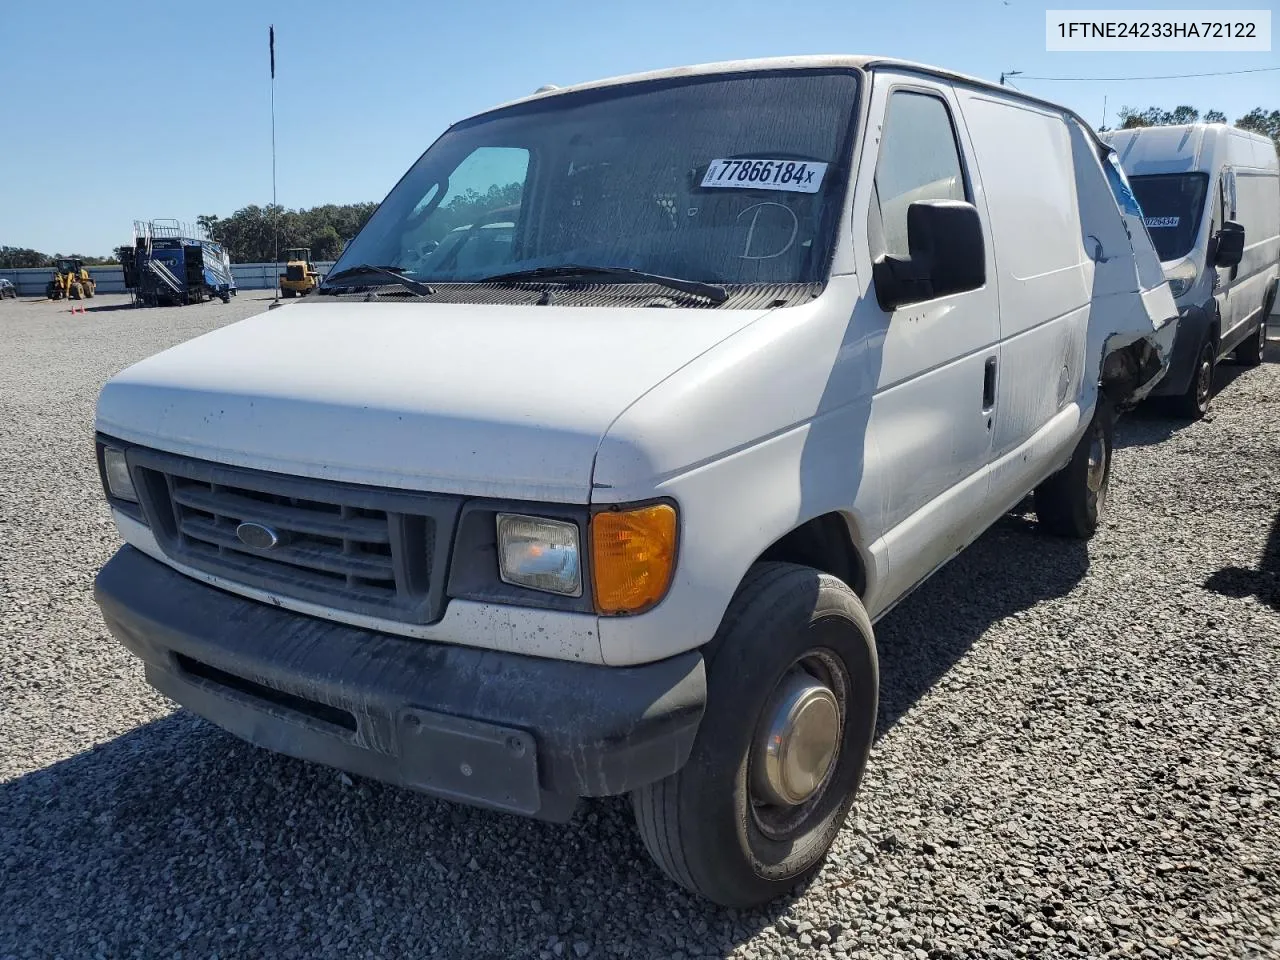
(257, 535)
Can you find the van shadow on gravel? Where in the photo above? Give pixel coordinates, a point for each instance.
(1149, 424)
(1012, 567)
(1262, 583)
(176, 830)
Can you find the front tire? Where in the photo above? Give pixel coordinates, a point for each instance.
(1194, 403)
(792, 687)
(1071, 503)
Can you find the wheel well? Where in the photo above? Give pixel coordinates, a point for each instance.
(825, 544)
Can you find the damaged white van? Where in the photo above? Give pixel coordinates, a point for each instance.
(604, 496)
(1210, 195)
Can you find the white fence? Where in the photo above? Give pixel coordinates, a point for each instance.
(249, 276)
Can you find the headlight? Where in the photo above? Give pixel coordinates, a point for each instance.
(539, 554)
(633, 555)
(1181, 278)
(116, 470)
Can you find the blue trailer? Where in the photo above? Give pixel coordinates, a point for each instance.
(173, 263)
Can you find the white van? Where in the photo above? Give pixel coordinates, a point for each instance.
(1210, 195)
(772, 342)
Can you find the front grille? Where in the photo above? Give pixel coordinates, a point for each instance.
(328, 543)
(362, 549)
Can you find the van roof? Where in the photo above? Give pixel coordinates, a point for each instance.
(809, 62)
(1189, 148)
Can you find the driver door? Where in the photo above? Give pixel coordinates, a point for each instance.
(934, 410)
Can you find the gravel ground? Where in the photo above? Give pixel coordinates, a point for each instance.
(1078, 752)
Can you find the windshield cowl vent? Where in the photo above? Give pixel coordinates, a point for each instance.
(550, 292)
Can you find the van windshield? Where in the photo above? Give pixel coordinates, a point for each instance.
(1172, 204)
(727, 179)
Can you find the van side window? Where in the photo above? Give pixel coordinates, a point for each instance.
(919, 160)
(470, 230)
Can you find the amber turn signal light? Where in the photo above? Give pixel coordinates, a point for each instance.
(633, 554)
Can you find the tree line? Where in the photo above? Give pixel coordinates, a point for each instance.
(254, 234)
(251, 235)
(16, 258)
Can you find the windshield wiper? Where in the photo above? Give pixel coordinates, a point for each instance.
(392, 274)
(713, 292)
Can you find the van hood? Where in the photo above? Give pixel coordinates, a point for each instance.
(499, 401)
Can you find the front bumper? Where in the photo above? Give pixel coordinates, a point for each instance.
(522, 734)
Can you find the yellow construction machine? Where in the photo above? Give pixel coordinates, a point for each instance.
(300, 276)
(71, 281)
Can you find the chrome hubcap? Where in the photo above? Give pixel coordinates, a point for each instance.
(798, 741)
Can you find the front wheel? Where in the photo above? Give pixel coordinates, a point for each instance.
(1194, 403)
(792, 687)
(1071, 503)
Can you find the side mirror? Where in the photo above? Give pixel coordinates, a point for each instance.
(946, 255)
(1229, 250)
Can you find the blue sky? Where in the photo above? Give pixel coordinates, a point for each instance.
(363, 88)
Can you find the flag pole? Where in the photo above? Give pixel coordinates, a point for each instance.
(275, 212)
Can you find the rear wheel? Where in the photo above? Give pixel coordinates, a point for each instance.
(1071, 503)
(1251, 352)
(792, 685)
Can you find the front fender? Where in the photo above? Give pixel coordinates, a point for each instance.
(1195, 322)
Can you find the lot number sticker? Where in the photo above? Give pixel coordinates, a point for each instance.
(1153, 222)
(795, 176)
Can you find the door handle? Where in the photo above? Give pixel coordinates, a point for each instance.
(989, 384)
